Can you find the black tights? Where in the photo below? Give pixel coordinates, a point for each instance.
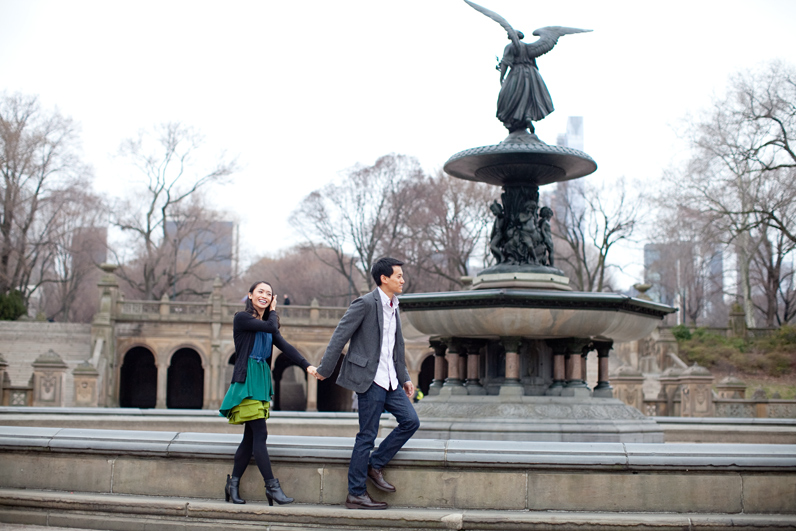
(254, 435)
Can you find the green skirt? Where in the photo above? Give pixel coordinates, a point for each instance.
(251, 399)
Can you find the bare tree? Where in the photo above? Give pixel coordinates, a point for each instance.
(40, 164)
(299, 273)
(162, 221)
(360, 218)
(686, 266)
(740, 175)
(589, 221)
(448, 229)
(68, 265)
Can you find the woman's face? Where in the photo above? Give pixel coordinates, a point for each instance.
(261, 296)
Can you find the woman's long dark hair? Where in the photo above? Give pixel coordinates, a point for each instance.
(250, 307)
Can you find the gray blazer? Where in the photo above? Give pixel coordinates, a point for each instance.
(363, 326)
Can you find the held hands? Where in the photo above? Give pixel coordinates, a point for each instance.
(409, 388)
(314, 371)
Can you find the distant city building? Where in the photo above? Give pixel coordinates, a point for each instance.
(213, 243)
(681, 272)
(573, 138)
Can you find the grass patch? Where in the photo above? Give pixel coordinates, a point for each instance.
(768, 356)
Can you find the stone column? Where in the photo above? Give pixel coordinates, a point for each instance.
(163, 381)
(85, 378)
(473, 382)
(3, 366)
(439, 366)
(511, 385)
(453, 383)
(312, 393)
(670, 385)
(628, 383)
(697, 393)
(576, 385)
(315, 311)
(49, 377)
(559, 347)
(603, 388)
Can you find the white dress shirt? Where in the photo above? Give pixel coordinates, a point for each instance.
(385, 374)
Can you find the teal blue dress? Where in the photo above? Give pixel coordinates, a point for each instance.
(251, 399)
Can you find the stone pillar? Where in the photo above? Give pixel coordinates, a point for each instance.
(473, 382)
(668, 395)
(85, 378)
(312, 393)
(559, 347)
(629, 386)
(697, 392)
(49, 377)
(453, 383)
(103, 338)
(731, 387)
(3, 366)
(315, 311)
(603, 388)
(164, 307)
(163, 382)
(576, 385)
(439, 366)
(511, 385)
(737, 323)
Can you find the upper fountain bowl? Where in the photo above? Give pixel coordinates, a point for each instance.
(520, 160)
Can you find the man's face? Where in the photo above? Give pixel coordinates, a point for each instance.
(395, 282)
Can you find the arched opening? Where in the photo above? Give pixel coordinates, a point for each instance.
(185, 380)
(426, 373)
(332, 397)
(290, 385)
(138, 379)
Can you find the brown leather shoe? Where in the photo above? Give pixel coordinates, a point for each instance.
(377, 478)
(363, 502)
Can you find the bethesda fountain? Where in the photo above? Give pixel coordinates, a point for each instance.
(511, 351)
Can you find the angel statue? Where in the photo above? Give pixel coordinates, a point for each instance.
(523, 97)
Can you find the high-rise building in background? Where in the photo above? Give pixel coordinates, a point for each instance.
(213, 244)
(683, 274)
(573, 138)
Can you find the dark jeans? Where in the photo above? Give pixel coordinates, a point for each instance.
(371, 404)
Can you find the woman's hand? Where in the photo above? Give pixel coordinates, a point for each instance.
(273, 303)
(314, 372)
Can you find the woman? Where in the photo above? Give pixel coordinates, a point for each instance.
(255, 331)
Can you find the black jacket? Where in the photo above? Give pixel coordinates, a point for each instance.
(244, 328)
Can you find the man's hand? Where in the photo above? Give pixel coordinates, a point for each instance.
(409, 388)
(314, 371)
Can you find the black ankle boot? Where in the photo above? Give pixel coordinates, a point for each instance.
(231, 490)
(274, 492)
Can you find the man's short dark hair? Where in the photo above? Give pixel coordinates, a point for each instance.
(383, 266)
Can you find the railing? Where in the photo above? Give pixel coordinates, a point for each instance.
(182, 311)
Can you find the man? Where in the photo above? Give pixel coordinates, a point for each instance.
(375, 368)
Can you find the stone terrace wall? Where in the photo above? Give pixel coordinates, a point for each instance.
(21, 342)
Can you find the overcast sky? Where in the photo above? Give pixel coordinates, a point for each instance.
(302, 90)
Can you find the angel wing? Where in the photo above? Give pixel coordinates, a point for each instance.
(500, 20)
(548, 37)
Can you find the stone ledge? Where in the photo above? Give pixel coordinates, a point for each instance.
(93, 511)
(450, 453)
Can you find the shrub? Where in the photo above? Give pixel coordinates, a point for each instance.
(12, 306)
(681, 333)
